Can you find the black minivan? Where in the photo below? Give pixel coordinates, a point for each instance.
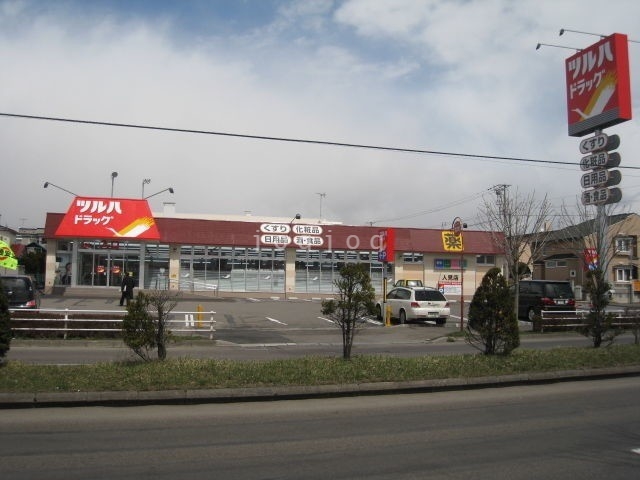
(20, 291)
(548, 295)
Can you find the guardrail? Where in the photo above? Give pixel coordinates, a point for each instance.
(104, 322)
(625, 318)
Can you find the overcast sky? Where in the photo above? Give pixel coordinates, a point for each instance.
(447, 76)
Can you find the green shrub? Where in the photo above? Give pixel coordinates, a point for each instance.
(143, 331)
(138, 329)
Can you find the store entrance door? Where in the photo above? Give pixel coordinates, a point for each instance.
(107, 269)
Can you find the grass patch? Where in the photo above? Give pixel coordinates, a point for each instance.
(180, 374)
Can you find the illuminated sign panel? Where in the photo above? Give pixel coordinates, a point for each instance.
(387, 248)
(92, 217)
(598, 86)
(590, 258)
(452, 242)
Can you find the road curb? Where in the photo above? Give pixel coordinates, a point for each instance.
(231, 395)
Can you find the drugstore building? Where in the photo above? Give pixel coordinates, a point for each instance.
(99, 240)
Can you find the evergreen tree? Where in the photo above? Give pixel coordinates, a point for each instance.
(355, 300)
(5, 325)
(493, 326)
(598, 325)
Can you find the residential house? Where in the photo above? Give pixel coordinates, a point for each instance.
(570, 252)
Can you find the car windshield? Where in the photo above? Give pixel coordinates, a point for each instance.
(558, 290)
(429, 295)
(15, 288)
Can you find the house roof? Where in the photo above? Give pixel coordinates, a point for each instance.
(18, 249)
(190, 231)
(583, 229)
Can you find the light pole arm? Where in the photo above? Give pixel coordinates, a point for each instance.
(170, 189)
(46, 184)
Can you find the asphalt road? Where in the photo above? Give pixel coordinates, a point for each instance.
(586, 430)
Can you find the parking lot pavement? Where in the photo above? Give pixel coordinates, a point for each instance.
(241, 313)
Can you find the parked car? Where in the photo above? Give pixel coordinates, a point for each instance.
(408, 283)
(544, 295)
(21, 291)
(416, 303)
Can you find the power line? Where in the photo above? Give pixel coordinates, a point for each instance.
(288, 139)
(433, 210)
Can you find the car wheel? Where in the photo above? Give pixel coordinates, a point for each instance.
(403, 317)
(531, 314)
(378, 312)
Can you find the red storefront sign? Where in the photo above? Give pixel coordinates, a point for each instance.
(92, 217)
(598, 86)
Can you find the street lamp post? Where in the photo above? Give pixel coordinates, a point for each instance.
(47, 184)
(113, 177)
(457, 227)
(170, 189)
(321, 195)
(146, 181)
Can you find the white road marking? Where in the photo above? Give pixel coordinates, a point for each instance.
(326, 320)
(274, 320)
(253, 299)
(365, 319)
(636, 450)
(373, 321)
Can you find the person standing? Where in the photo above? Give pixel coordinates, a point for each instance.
(127, 286)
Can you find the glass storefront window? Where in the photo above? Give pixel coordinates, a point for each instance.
(202, 268)
(156, 267)
(104, 263)
(412, 257)
(317, 270)
(64, 263)
(232, 269)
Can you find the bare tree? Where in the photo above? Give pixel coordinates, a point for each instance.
(145, 325)
(163, 302)
(591, 238)
(519, 224)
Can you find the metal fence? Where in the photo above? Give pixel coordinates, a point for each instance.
(618, 318)
(103, 322)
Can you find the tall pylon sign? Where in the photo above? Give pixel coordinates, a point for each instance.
(599, 96)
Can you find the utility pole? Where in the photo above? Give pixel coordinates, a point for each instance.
(501, 194)
(503, 205)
